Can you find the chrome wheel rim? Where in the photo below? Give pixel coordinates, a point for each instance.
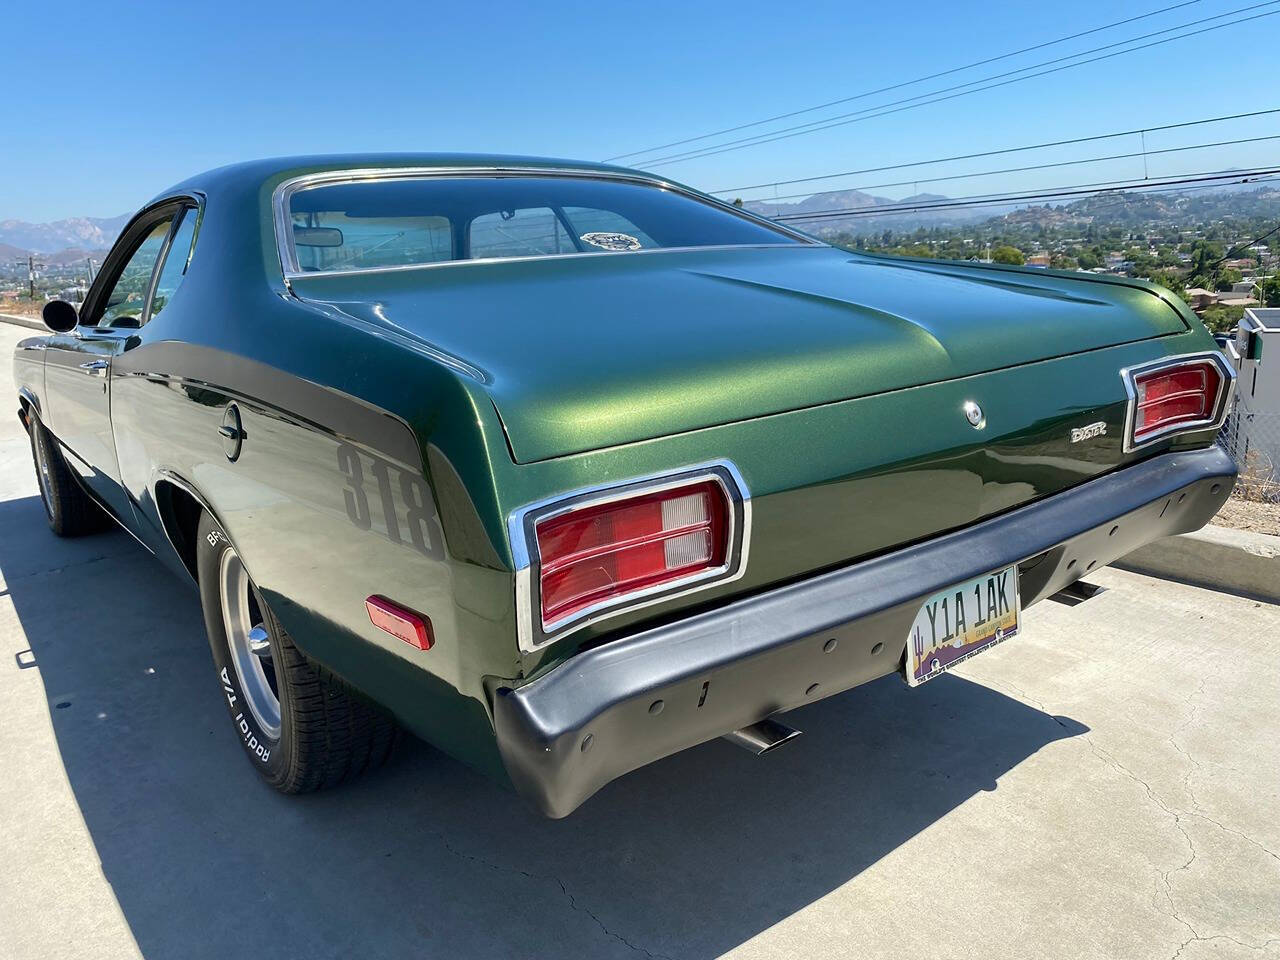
(247, 640)
(42, 472)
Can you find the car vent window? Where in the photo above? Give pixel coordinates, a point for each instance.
(412, 220)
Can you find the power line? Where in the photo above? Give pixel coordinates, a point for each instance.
(905, 83)
(1238, 248)
(1223, 178)
(898, 106)
(1038, 166)
(993, 153)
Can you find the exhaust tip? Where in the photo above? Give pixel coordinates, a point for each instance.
(763, 737)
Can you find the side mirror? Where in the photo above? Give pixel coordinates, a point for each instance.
(59, 316)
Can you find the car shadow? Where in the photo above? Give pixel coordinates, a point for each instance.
(688, 857)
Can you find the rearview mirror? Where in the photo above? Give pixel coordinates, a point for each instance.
(59, 316)
(317, 237)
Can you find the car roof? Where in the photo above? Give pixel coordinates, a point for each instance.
(253, 174)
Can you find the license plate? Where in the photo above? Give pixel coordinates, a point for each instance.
(960, 621)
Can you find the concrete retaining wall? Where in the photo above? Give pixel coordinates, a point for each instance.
(1234, 561)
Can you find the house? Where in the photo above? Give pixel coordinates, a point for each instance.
(1199, 298)
(1038, 260)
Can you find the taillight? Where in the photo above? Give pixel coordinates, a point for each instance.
(604, 553)
(1170, 396)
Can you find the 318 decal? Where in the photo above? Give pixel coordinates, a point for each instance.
(391, 501)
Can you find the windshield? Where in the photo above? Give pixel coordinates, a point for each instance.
(374, 224)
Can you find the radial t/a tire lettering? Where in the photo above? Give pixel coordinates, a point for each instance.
(301, 726)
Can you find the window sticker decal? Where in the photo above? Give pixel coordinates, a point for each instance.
(611, 241)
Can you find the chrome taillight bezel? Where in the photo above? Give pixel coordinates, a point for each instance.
(1221, 406)
(534, 634)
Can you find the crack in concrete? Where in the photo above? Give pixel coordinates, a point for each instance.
(1164, 884)
(1195, 768)
(574, 905)
(1222, 936)
(1027, 698)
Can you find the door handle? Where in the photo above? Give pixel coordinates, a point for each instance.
(96, 368)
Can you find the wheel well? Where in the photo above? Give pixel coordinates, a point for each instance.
(180, 514)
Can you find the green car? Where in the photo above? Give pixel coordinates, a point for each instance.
(566, 467)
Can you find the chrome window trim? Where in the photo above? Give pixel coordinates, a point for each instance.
(287, 188)
(178, 214)
(533, 634)
(1131, 408)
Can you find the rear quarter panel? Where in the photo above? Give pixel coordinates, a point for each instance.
(341, 489)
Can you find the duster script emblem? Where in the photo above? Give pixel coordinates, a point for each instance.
(1098, 429)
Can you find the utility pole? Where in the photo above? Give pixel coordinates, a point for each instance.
(31, 275)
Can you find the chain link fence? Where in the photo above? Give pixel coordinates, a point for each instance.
(1253, 441)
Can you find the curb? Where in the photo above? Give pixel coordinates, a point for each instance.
(29, 322)
(1219, 558)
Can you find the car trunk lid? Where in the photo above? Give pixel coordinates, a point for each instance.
(585, 353)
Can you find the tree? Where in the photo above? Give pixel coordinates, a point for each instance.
(1170, 281)
(1228, 277)
(1220, 319)
(1271, 291)
(1204, 257)
(1088, 258)
(1007, 254)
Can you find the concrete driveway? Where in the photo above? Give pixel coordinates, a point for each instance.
(1107, 785)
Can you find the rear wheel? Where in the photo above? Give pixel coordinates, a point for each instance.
(69, 510)
(301, 726)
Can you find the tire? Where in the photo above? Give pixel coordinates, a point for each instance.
(321, 731)
(70, 511)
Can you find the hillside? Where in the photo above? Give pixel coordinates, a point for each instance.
(1122, 208)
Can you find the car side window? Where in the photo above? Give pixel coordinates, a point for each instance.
(128, 295)
(174, 267)
(529, 232)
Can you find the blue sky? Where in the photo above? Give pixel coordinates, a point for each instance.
(109, 103)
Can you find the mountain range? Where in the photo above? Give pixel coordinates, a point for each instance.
(18, 237)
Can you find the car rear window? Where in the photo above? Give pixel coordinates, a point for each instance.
(407, 221)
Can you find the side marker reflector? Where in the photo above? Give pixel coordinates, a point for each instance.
(412, 628)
